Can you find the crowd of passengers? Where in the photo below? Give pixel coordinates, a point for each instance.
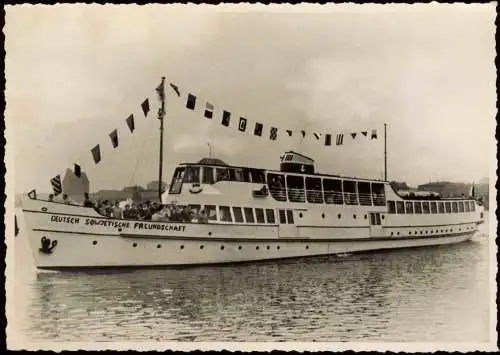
(146, 211)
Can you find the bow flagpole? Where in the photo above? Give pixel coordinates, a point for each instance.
(161, 114)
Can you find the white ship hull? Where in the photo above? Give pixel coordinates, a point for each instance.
(87, 240)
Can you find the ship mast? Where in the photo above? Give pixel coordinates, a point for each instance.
(161, 115)
(385, 151)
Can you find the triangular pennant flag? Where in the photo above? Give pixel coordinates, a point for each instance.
(303, 133)
(160, 90)
(340, 139)
(226, 118)
(273, 133)
(209, 110)
(374, 134)
(191, 102)
(145, 107)
(77, 170)
(56, 184)
(364, 133)
(242, 126)
(317, 135)
(16, 227)
(353, 135)
(289, 132)
(176, 89)
(258, 129)
(32, 194)
(96, 153)
(114, 138)
(130, 123)
(328, 139)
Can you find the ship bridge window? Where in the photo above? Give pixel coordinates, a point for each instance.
(425, 207)
(400, 207)
(350, 196)
(192, 174)
(433, 207)
(454, 207)
(270, 216)
(295, 188)
(417, 207)
(225, 214)
(333, 191)
(259, 214)
(249, 215)
(441, 207)
(365, 194)
(176, 185)
(211, 212)
(238, 215)
(221, 174)
(208, 175)
(448, 207)
(313, 190)
(409, 207)
(391, 206)
(461, 206)
(276, 183)
(378, 194)
(466, 206)
(236, 174)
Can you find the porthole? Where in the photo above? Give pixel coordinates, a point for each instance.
(182, 246)
(94, 242)
(209, 234)
(268, 247)
(409, 232)
(322, 215)
(201, 246)
(339, 215)
(239, 247)
(354, 216)
(222, 247)
(278, 247)
(426, 232)
(257, 247)
(300, 214)
(397, 233)
(383, 217)
(392, 233)
(366, 216)
(421, 232)
(158, 246)
(307, 246)
(134, 245)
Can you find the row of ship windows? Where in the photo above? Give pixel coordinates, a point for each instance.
(426, 207)
(436, 231)
(247, 214)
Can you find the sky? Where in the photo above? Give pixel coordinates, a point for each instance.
(75, 72)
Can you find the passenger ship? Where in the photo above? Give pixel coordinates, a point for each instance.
(253, 214)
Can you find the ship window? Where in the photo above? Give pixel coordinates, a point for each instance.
(249, 215)
(259, 214)
(236, 174)
(409, 207)
(378, 194)
(238, 215)
(255, 176)
(417, 207)
(364, 191)
(295, 188)
(448, 207)
(391, 206)
(461, 206)
(276, 183)
(270, 216)
(473, 206)
(289, 216)
(282, 216)
(441, 207)
(192, 174)
(314, 190)
(333, 191)
(211, 212)
(433, 207)
(400, 207)
(221, 174)
(466, 206)
(176, 185)
(425, 207)
(377, 218)
(225, 214)
(454, 207)
(349, 188)
(208, 175)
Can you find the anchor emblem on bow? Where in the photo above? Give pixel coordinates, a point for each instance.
(47, 245)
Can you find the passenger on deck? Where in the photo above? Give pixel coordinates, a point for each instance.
(202, 217)
(117, 211)
(134, 212)
(51, 198)
(87, 202)
(126, 211)
(66, 200)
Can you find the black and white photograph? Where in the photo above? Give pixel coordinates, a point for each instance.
(251, 177)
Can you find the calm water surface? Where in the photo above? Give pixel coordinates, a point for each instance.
(425, 294)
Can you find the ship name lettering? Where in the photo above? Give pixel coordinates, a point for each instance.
(106, 223)
(160, 227)
(65, 219)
